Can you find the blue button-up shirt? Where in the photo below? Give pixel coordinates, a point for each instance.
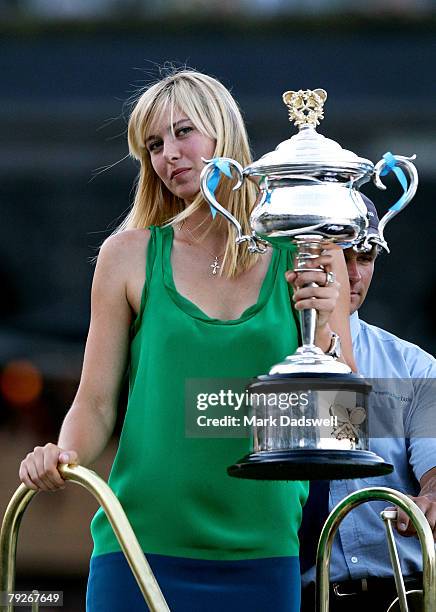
(360, 548)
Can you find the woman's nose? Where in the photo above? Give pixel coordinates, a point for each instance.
(171, 149)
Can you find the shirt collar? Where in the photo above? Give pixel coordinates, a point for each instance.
(354, 325)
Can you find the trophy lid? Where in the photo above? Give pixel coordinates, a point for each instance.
(309, 152)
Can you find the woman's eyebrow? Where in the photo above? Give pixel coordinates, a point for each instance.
(180, 121)
(152, 137)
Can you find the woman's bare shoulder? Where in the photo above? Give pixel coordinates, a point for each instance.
(124, 248)
(120, 267)
(126, 240)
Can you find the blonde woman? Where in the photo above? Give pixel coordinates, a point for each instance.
(173, 299)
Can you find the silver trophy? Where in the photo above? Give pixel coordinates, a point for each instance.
(309, 197)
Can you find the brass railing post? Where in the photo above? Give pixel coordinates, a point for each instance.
(331, 525)
(116, 516)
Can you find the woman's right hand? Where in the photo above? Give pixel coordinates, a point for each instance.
(38, 471)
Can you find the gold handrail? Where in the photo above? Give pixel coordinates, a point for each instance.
(388, 516)
(116, 517)
(338, 513)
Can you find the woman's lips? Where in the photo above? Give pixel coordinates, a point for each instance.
(178, 172)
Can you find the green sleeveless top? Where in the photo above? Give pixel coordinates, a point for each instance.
(175, 489)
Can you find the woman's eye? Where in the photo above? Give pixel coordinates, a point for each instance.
(154, 144)
(184, 130)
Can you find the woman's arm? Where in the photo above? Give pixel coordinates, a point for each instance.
(89, 422)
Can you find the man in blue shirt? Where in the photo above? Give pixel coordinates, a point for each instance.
(360, 571)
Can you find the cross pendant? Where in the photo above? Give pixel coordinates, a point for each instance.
(215, 266)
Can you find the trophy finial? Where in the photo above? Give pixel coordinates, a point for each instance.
(305, 106)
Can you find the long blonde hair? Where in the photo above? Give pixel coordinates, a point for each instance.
(214, 112)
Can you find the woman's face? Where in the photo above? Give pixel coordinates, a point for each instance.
(176, 152)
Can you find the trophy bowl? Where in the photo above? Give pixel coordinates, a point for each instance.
(309, 197)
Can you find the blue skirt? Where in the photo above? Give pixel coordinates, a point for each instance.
(196, 585)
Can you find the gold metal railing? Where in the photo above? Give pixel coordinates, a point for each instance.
(142, 571)
(116, 516)
(423, 531)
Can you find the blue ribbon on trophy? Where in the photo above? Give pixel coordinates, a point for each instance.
(392, 166)
(219, 166)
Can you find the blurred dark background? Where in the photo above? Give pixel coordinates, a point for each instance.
(67, 69)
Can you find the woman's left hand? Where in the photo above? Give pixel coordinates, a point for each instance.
(323, 297)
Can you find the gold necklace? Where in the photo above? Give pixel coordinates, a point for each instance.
(215, 265)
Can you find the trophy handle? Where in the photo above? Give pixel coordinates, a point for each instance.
(396, 164)
(209, 180)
